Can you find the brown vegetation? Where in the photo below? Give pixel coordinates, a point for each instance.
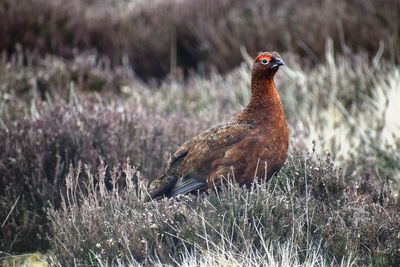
(70, 97)
(156, 36)
(306, 203)
(41, 134)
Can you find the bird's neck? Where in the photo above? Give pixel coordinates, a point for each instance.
(265, 103)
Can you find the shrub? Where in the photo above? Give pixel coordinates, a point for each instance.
(36, 153)
(156, 36)
(348, 104)
(307, 203)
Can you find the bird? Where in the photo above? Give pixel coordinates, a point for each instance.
(251, 146)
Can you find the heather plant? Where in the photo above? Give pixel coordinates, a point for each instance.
(25, 77)
(348, 105)
(84, 126)
(156, 37)
(307, 206)
(36, 152)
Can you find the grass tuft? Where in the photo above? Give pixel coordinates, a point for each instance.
(342, 202)
(316, 217)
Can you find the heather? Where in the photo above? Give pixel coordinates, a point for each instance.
(313, 207)
(54, 142)
(83, 127)
(157, 37)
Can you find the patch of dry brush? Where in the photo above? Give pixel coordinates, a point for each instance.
(348, 105)
(156, 35)
(307, 205)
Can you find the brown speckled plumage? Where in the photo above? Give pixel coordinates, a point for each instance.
(253, 143)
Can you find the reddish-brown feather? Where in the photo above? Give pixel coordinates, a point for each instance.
(252, 145)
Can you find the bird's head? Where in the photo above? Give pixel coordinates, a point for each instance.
(266, 64)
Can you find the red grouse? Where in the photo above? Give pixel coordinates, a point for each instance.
(252, 145)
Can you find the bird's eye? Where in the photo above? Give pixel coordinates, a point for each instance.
(264, 61)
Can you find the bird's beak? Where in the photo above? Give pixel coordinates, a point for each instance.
(277, 62)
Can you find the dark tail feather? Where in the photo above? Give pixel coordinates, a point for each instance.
(186, 186)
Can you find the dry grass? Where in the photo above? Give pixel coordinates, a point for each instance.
(157, 36)
(347, 105)
(307, 210)
(71, 95)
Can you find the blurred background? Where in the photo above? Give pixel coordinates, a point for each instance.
(91, 80)
(155, 37)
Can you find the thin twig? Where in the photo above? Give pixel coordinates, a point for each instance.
(8, 215)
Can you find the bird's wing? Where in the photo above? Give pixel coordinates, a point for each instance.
(163, 183)
(198, 154)
(204, 149)
(226, 135)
